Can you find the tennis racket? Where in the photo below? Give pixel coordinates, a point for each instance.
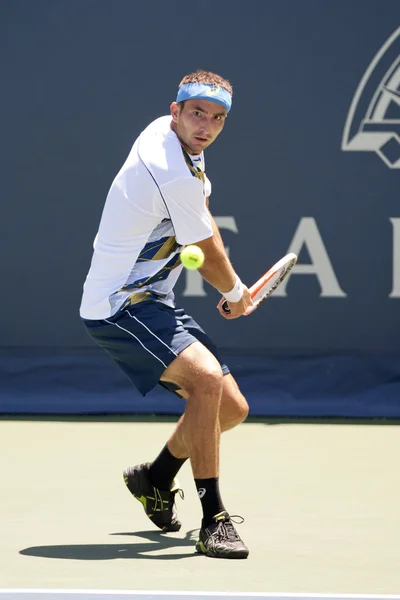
(268, 283)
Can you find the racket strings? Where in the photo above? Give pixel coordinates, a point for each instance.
(269, 286)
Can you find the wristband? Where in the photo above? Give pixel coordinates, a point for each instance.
(235, 293)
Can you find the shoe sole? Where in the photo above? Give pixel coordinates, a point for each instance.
(201, 549)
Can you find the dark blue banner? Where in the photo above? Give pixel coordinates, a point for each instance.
(309, 162)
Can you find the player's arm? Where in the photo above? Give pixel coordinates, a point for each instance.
(216, 231)
(218, 271)
(192, 222)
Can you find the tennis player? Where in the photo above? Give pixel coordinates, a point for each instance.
(157, 204)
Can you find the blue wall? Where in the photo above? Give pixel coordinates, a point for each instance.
(81, 78)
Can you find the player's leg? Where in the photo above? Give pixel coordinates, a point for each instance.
(199, 433)
(234, 408)
(197, 372)
(233, 411)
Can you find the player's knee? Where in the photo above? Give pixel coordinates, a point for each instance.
(244, 410)
(211, 381)
(208, 382)
(234, 410)
(241, 408)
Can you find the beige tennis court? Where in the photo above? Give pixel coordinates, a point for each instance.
(320, 502)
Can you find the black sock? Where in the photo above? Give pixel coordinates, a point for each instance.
(208, 491)
(163, 470)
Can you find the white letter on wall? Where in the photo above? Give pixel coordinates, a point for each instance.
(307, 233)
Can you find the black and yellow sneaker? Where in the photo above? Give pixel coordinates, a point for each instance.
(159, 505)
(221, 540)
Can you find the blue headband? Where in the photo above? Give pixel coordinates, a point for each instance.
(205, 91)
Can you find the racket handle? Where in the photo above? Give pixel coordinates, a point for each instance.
(227, 310)
(225, 307)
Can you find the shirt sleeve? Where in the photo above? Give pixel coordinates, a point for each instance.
(186, 204)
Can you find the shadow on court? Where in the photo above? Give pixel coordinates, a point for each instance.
(156, 542)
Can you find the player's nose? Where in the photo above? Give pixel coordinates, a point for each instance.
(205, 132)
(205, 127)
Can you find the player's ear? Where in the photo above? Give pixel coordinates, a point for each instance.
(175, 110)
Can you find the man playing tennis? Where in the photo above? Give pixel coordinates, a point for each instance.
(157, 204)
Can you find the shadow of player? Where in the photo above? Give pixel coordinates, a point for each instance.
(156, 542)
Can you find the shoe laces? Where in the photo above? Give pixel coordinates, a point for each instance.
(178, 491)
(225, 529)
(163, 497)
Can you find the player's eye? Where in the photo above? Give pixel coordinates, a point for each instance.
(197, 113)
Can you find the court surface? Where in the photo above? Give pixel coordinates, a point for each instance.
(320, 502)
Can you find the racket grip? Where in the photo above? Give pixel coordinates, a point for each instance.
(225, 307)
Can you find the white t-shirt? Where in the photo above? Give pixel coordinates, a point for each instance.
(156, 205)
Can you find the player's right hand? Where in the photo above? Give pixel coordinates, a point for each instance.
(237, 309)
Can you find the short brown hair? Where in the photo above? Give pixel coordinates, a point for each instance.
(201, 76)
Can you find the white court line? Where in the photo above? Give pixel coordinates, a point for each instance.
(38, 594)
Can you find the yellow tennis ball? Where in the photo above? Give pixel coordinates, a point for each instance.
(192, 257)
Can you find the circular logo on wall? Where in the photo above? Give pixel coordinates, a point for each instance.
(373, 121)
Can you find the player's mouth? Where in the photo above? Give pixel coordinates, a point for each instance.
(201, 139)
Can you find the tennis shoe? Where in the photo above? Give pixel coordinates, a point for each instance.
(159, 505)
(221, 540)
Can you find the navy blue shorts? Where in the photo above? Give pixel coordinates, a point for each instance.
(145, 338)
